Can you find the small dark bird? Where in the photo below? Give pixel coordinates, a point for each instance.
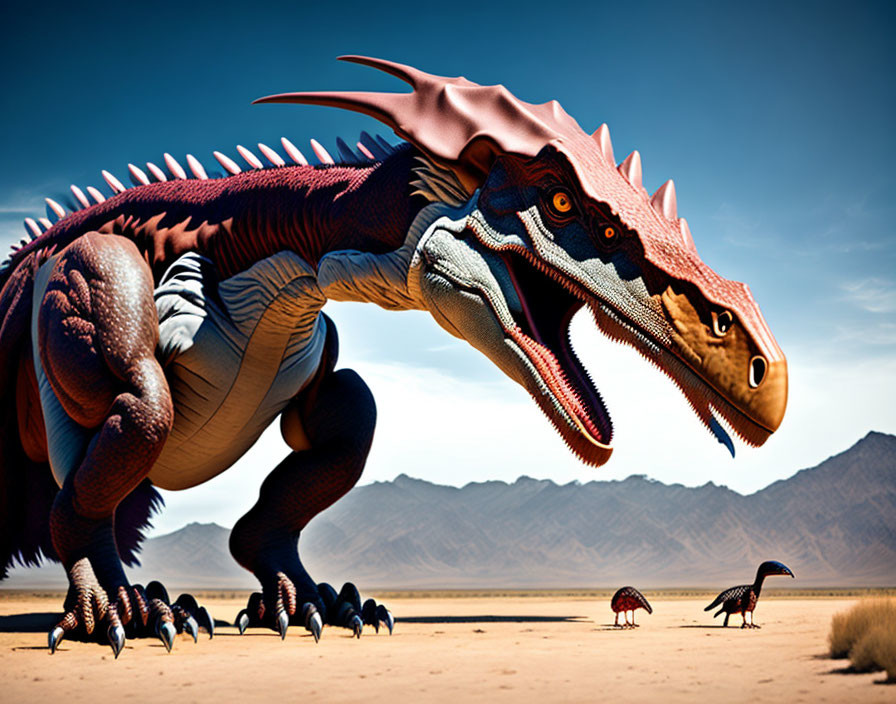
(742, 600)
(628, 599)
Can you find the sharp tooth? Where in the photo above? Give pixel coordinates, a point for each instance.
(293, 151)
(197, 168)
(79, 194)
(138, 175)
(602, 137)
(55, 207)
(157, 173)
(663, 201)
(631, 169)
(95, 194)
(271, 155)
(228, 163)
(250, 158)
(176, 169)
(322, 154)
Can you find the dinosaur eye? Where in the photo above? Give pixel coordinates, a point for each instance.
(722, 322)
(561, 203)
(609, 233)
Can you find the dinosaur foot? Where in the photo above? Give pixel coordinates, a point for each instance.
(93, 614)
(281, 609)
(326, 607)
(167, 619)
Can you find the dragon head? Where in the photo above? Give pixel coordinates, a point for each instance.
(545, 223)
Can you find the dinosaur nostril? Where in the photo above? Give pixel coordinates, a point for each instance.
(758, 367)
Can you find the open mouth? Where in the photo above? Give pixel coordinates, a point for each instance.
(542, 332)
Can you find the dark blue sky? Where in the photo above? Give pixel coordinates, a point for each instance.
(775, 120)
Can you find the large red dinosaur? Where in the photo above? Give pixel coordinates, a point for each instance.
(149, 337)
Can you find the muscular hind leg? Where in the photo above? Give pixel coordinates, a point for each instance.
(97, 334)
(337, 418)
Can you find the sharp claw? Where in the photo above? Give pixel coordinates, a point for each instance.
(191, 627)
(282, 624)
(242, 621)
(313, 621)
(383, 614)
(357, 626)
(205, 621)
(166, 634)
(55, 638)
(115, 634)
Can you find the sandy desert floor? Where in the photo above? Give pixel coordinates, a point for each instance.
(497, 649)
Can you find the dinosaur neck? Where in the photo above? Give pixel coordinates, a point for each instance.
(757, 584)
(240, 220)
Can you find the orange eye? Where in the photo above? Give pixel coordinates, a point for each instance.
(609, 233)
(562, 202)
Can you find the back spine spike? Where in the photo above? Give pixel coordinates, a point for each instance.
(79, 195)
(54, 207)
(322, 154)
(365, 151)
(271, 155)
(197, 168)
(346, 152)
(138, 175)
(375, 147)
(33, 228)
(156, 172)
(250, 158)
(384, 144)
(95, 194)
(45, 223)
(174, 167)
(229, 164)
(293, 151)
(113, 182)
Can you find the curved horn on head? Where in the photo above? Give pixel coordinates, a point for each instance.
(458, 123)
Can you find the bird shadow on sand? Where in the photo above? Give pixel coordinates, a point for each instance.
(43, 622)
(490, 619)
(710, 626)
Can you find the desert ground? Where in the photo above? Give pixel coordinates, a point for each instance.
(460, 648)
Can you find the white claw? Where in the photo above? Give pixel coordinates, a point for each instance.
(113, 182)
(271, 155)
(242, 622)
(322, 154)
(55, 207)
(282, 624)
(45, 223)
(602, 137)
(250, 158)
(157, 173)
(197, 168)
(33, 226)
(315, 625)
(663, 201)
(79, 195)
(116, 639)
(167, 634)
(176, 169)
(138, 174)
(228, 163)
(631, 169)
(95, 194)
(55, 638)
(293, 151)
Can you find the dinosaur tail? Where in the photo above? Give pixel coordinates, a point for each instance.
(714, 604)
(719, 612)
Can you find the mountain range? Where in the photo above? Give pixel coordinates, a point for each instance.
(834, 525)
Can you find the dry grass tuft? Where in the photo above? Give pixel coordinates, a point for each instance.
(866, 634)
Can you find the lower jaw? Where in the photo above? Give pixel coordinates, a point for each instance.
(548, 367)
